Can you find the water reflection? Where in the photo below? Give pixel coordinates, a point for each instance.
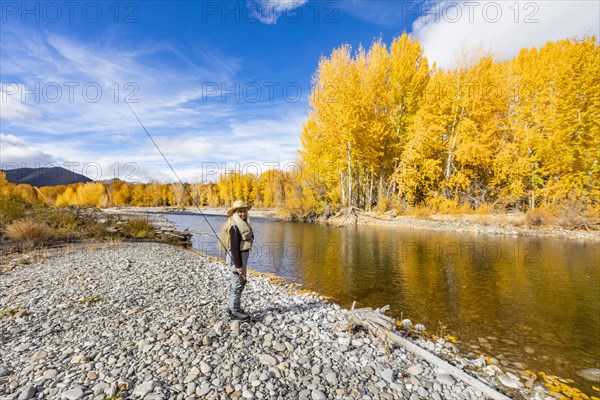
(533, 300)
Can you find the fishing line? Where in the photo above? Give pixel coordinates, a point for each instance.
(177, 176)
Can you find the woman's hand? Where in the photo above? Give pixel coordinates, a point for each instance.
(239, 271)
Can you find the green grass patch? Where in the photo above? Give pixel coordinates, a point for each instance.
(8, 311)
(90, 299)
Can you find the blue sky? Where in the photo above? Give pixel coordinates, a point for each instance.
(220, 85)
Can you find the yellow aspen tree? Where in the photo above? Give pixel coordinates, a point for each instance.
(66, 198)
(327, 138)
(5, 186)
(26, 192)
(122, 194)
(91, 194)
(139, 195)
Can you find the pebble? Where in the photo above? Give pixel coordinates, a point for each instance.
(509, 381)
(331, 378)
(388, 375)
(446, 379)
(205, 368)
(590, 374)
(144, 388)
(23, 347)
(415, 370)
(203, 390)
(92, 375)
(27, 393)
(267, 360)
(280, 347)
(73, 394)
(39, 355)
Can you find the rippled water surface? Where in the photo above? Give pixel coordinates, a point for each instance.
(529, 300)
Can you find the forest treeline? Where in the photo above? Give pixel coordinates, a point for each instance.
(272, 189)
(387, 130)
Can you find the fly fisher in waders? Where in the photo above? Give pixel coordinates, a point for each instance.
(237, 237)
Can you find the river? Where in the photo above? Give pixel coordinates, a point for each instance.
(531, 302)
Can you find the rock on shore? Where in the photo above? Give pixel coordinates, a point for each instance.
(147, 320)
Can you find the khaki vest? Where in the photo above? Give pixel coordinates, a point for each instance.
(247, 236)
(246, 244)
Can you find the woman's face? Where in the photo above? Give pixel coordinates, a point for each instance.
(243, 213)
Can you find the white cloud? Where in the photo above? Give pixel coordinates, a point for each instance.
(269, 11)
(500, 27)
(12, 108)
(16, 153)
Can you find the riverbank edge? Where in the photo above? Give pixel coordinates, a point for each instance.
(424, 338)
(493, 224)
(474, 368)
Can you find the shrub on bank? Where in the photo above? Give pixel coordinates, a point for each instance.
(538, 217)
(29, 233)
(138, 228)
(12, 208)
(62, 219)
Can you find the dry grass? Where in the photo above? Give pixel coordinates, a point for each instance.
(575, 216)
(29, 232)
(383, 206)
(538, 217)
(114, 240)
(61, 219)
(422, 212)
(138, 228)
(484, 209)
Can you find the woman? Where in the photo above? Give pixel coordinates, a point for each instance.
(237, 238)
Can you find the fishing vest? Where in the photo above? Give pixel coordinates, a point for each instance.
(247, 237)
(246, 242)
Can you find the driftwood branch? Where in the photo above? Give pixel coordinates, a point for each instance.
(382, 326)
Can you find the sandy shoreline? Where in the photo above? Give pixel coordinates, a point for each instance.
(148, 319)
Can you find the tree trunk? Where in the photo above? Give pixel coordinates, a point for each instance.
(349, 159)
(371, 192)
(342, 187)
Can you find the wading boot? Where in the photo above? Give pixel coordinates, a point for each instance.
(238, 315)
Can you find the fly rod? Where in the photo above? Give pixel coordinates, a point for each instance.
(194, 201)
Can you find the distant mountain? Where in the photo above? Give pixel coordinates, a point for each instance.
(44, 176)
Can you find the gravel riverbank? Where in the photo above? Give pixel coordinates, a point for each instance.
(146, 320)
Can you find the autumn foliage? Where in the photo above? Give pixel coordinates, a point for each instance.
(388, 130)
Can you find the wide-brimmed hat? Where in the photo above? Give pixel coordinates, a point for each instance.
(238, 204)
